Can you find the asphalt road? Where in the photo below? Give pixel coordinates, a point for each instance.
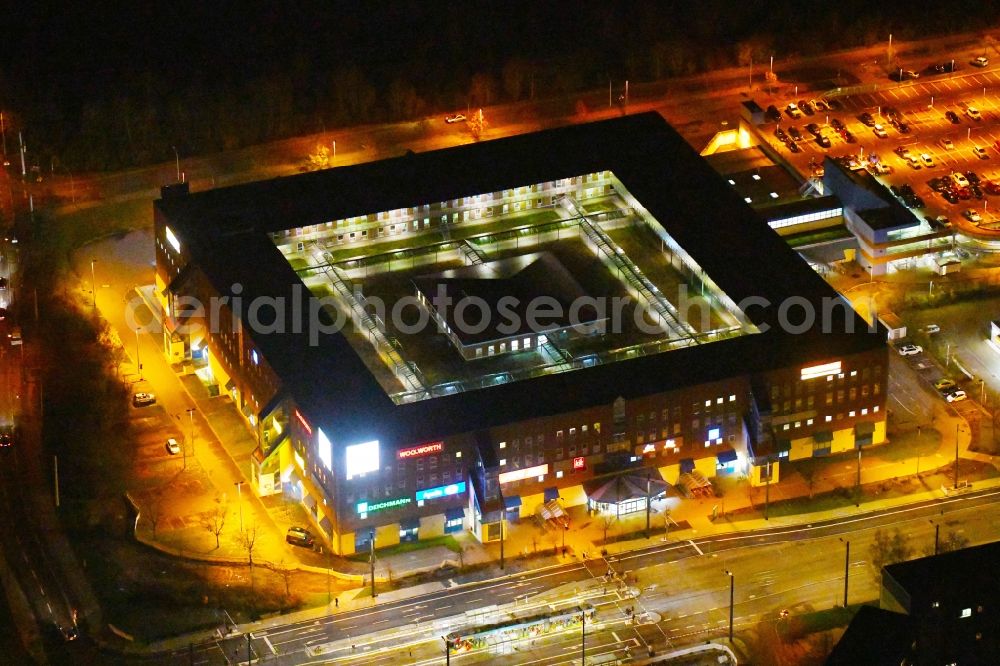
(691, 592)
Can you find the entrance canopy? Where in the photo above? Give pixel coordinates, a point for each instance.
(626, 486)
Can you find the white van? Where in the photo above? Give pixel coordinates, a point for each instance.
(15, 336)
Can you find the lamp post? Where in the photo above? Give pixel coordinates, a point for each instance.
(732, 589)
(239, 500)
(857, 482)
(93, 282)
(847, 567)
(138, 360)
(956, 456)
(177, 161)
(937, 535)
(190, 412)
(767, 491)
(371, 557)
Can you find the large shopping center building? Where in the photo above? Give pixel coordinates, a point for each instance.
(621, 322)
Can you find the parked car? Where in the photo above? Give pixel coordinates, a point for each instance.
(972, 215)
(947, 144)
(981, 61)
(991, 187)
(299, 536)
(973, 113)
(173, 448)
(822, 140)
(806, 107)
(931, 329)
(793, 111)
(867, 119)
(952, 117)
(904, 128)
(143, 399)
(950, 196)
(926, 160)
(794, 147)
(943, 222)
(910, 350)
(945, 385)
(880, 131)
(794, 132)
(456, 118)
(960, 179)
(956, 396)
(780, 134)
(848, 137)
(980, 152)
(773, 114)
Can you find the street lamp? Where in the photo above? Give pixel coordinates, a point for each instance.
(239, 500)
(190, 412)
(371, 557)
(937, 534)
(138, 361)
(93, 282)
(732, 588)
(847, 567)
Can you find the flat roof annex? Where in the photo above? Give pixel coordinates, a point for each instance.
(225, 231)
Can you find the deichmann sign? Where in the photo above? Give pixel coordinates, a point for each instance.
(441, 491)
(368, 507)
(422, 450)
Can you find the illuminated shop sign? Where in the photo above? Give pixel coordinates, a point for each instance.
(422, 450)
(325, 450)
(527, 473)
(302, 421)
(441, 491)
(361, 459)
(825, 370)
(579, 463)
(372, 507)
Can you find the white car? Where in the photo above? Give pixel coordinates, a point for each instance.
(880, 131)
(972, 215)
(973, 113)
(910, 350)
(927, 160)
(932, 329)
(956, 396)
(959, 179)
(980, 152)
(173, 448)
(947, 144)
(143, 399)
(793, 110)
(981, 61)
(913, 161)
(457, 118)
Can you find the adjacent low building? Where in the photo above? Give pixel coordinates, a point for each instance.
(732, 356)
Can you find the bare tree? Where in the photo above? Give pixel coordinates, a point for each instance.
(286, 576)
(607, 520)
(215, 521)
(888, 549)
(248, 540)
(154, 511)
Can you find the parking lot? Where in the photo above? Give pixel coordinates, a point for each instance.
(939, 134)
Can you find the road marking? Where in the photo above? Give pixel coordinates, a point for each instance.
(615, 634)
(695, 546)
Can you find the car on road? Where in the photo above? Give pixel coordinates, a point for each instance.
(980, 152)
(910, 350)
(3, 313)
(903, 75)
(173, 448)
(973, 113)
(947, 144)
(15, 337)
(456, 118)
(143, 399)
(931, 329)
(972, 215)
(952, 117)
(6, 440)
(926, 160)
(880, 131)
(793, 110)
(945, 385)
(299, 536)
(981, 61)
(956, 396)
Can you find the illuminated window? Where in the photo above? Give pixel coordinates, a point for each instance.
(852, 413)
(828, 418)
(732, 397)
(784, 427)
(503, 445)
(503, 462)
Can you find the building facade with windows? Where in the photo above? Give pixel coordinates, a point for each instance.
(268, 291)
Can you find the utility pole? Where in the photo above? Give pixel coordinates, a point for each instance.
(647, 504)
(732, 595)
(583, 637)
(249, 650)
(847, 569)
(767, 492)
(447, 651)
(371, 557)
(55, 462)
(190, 412)
(956, 456)
(857, 482)
(93, 283)
(177, 159)
(239, 500)
(138, 361)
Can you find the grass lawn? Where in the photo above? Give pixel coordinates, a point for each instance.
(809, 237)
(446, 540)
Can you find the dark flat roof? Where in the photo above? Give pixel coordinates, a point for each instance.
(876, 637)
(527, 278)
(226, 232)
